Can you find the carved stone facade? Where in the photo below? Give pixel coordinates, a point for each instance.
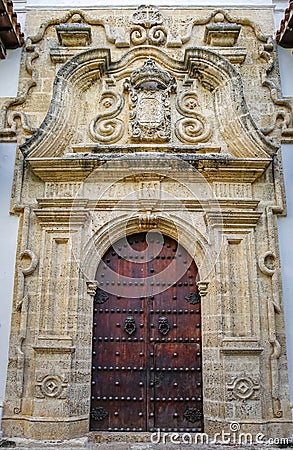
(131, 120)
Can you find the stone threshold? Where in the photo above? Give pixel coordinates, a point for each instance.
(125, 441)
(119, 436)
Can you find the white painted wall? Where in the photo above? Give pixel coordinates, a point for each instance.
(286, 224)
(8, 238)
(286, 252)
(9, 71)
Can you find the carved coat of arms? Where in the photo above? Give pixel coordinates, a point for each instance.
(150, 109)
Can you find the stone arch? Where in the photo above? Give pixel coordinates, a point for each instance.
(190, 238)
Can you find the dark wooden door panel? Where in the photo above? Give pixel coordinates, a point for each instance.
(178, 389)
(147, 338)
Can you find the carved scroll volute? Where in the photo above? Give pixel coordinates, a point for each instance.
(148, 27)
(106, 128)
(149, 90)
(28, 262)
(193, 127)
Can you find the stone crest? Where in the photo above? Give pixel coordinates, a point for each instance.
(147, 16)
(149, 90)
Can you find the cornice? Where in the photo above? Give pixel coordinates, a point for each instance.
(214, 167)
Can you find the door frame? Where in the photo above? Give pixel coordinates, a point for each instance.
(190, 238)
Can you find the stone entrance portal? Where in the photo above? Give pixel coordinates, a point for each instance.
(130, 122)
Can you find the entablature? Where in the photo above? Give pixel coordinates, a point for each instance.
(214, 168)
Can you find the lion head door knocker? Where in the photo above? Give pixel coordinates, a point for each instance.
(129, 325)
(150, 88)
(164, 326)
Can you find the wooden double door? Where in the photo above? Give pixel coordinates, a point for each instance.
(147, 362)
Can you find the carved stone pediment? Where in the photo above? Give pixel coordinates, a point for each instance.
(140, 31)
(203, 109)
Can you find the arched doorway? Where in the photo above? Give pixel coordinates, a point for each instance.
(147, 362)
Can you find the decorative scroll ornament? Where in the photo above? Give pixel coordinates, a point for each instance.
(193, 298)
(150, 111)
(105, 127)
(99, 413)
(164, 326)
(101, 296)
(28, 262)
(148, 29)
(23, 307)
(267, 263)
(192, 415)
(129, 325)
(277, 408)
(193, 128)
